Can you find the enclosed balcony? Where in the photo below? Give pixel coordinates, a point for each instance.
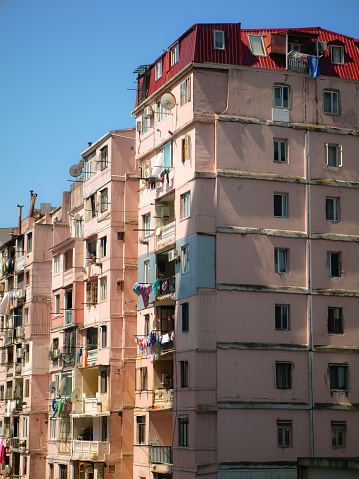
(91, 438)
(90, 450)
(161, 455)
(165, 222)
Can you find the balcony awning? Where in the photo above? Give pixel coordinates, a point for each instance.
(80, 415)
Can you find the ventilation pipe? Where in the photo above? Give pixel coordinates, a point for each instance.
(32, 203)
(20, 210)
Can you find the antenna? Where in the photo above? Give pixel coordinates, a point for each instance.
(75, 171)
(62, 385)
(75, 395)
(168, 101)
(52, 387)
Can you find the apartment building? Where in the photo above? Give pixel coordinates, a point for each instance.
(248, 254)
(25, 327)
(93, 319)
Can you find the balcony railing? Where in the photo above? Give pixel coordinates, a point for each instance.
(20, 262)
(163, 397)
(68, 316)
(88, 450)
(161, 454)
(18, 368)
(166, 233)
(298, 63)
(92, 356)
(90, 405)
(167, 286)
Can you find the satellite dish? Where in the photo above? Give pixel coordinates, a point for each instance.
(168, 101)
(62, 385)
(75, 171)
(52, 387)
(81, 163)
(77, 217)
(75, 395)
(7, 471)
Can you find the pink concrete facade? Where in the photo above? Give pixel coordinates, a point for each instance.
(257, 255)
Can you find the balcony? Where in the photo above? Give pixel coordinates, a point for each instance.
(8, 336)
(163, 398)
(92, 356)
(161, 454)
(20, 263)
(10, 371)
(90, 450)
(167, 286)
(20, 332)
(18, 369)
(68, 316)
(90, 405)
(298, 63)
(165, 234)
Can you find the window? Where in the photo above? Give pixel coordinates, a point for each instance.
(280, 151)
(91, 292)
(146, 272)
(280, 260)
(64, 433)
(280, 205)
(337, 54)
(184, 374)
(91, 249)
(332, 209)
(147, 325)
(90, 207)
(103, 382)
(53, 423)
(103, 285)
(141, 429)
(56, 265)
(283, 375)
(161, 113)
(185, 91)
(29, 243)
(333, 155)
(88, 167)
(174, 54)
(103, 246)
(218, 36)
(338, 376)
(103, 337)
(185, 204)
(166, 150)
(2, 394)
(186, 148)
(284, 433)
(104, 421)
(185, 317)
(146, 224)
(27, 278)
(256, 44)
(26, 316)
(104, 158)
(120, 235)
(281, 96)
(141, 379)
(104, 200)
(282, 317)
(158, 70)
(67, 378)
(145, 124)
(331, 102)
(184, 259)
(78, 227)
(333, 265)
(335, 320)
(338, 434)
(27, 388)
(57, 304)
(68, 257)
(183, 431)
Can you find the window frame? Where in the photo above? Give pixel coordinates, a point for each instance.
(277, 155)
(103, 289)
(338, 48)
(334, 209)
(103, 246)
(29, 243)
(335, 320)
(57, 304)
(146, 271)
(252, 46)
(338, 267)
(278, 268)
(282, 88)
(337, 427)
(282, 317)
(56, 264)
(285, 428)
(184, 374)
(338, 155)
(104, 158)
(158, 69)
(174, 54)
(185, 91)
(103, 333)
(283, 213)
(185, 205)
(332, 104)
(283, 375)
(103, 200)
(334, 379)
(183, 431)
(185, 317)
(146, 224)
(141, 429)
(104, 381)
(218, 35)
(53, 429)
(184, 259)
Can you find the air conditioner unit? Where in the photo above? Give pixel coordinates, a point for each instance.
(20, 332)
(148, 112)
(172, 255)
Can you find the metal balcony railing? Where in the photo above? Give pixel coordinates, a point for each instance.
(161, 455)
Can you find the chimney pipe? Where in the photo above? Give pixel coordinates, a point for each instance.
(20, 209)
(89, 143)
(32, 203)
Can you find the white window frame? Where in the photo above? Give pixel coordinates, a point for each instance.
(284, 439)
(338, 154)
(283, 205)
(257, 47)
(145, 124)
(146, 271)
(279, 151)
(57, 304)
(56, 265)
(104, 157)
(337, 51)
(184, 259)
(161, 113)
(103, 289)
(185, 91)
(88, 167)
(103, 247)
(334, 98)
(79, 227)
(174, 54)
(185, 204)
(218, 40)
(104, 200)
(146, 222)
(158, 70)
(24, 427)
(283, 103)
(53, 428)
(186, 148)
(283, 323)
(281, 260)
(334, 209)
(338, 430)
(330, 264)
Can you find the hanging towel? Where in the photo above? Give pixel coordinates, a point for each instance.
(313, 66)
(135, 289)
(2, 451)
(85, 359)
(145, 293)
(79, 354)
(55, 411)
(60, 408)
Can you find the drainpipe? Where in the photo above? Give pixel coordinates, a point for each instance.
(310, 297)
(32, 203)
(286, 51)
(20, 210)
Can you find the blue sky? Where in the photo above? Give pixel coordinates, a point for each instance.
(66, 74)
